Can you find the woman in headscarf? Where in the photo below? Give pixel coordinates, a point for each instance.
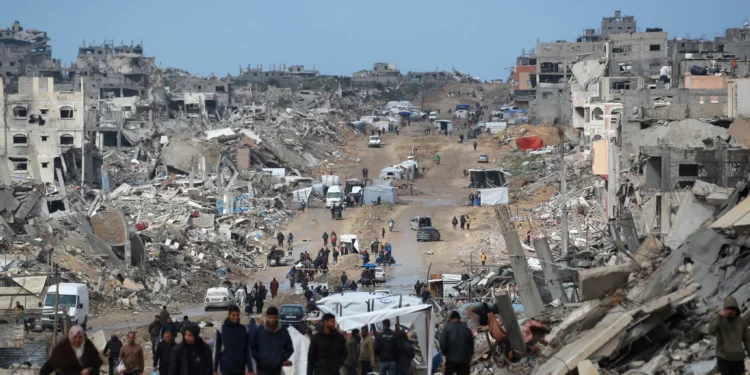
(192, 356)
(74, 355)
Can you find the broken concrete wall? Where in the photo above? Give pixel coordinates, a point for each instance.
(597, 282)
(688, 133)
(184, 148)
(690, 215)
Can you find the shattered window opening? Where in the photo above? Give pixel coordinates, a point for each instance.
(66, 139)
(66, 112)
(654, 47)
(20, 112)
(598, 114)
(44, 138)
(20, 164)
(688, 170)
(45, 164)
(20, 139)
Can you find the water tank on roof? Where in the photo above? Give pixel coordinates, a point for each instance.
(698, 71)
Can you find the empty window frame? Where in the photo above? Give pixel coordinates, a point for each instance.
(66, 112)
(654, 47)
(20, 112)
(20, 164)
(688, 170)
(20, 140)
(66, 140)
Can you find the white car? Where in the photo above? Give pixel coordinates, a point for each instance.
(433, 116)
(218, 298)
(374, 141)
(379, 275)
(483, 159)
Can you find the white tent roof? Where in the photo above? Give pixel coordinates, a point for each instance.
(352, 303)
(493, 197)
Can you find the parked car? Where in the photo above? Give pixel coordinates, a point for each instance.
(428, 234)
(483, 159)
(420, 222)
(379, 275)
(292, 315)
(218, 298)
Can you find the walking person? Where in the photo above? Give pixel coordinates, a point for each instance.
(454, 222)
(325, 239)
(280, 238)
(353, 367)
(484, 258)
(163, 315)
(405, 354)
(475, 145)
(271, 345)
(382, 232)
(327, 351)
(192, 356)
(335, 255)
(386, 349)
(163, 354)
(260, 298)
(463, 221)
(457, 346)
(732, 338)
(274, 288)
(154, 332)
(112, 352)
(170, 326)
(132, 357)
(468, 223)
(73, 355)
(334, 239)
(230, 346)
(366, 351)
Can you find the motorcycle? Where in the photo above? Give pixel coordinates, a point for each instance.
(390, 226)
(437, 161)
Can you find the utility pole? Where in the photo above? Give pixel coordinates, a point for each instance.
(57, 305)
(563, 192)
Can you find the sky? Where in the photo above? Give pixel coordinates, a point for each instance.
(339, 37)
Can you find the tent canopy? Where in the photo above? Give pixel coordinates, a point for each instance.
(494, 196)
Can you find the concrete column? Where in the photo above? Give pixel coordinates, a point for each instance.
(530, 298)
(551, 273)
(510, 323)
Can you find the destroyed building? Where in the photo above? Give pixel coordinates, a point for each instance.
(381, 72)
(40, 125)
(281, 75)
(25, 52)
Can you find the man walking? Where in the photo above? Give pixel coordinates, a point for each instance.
(280, 238)
(163, 315)
(386, 349)
(274, 288)
(325, 239)
(163, 354)
(271, 345)
(484, 258)
(230, 346)
(260, 298)
(732, 338)
(327, 351)
(112, 351)
(382, 232)
(132, 357)
(463, 221)
(192, 356)
(457, 346)
(454, 222)
(366, 351)
(353, 366)
(154, 331)
(475, 145)
(170, 326)
(468, 223)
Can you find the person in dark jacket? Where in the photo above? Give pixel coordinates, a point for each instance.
(457, 346)
(353, 366)
(230, 346)
(405, 353)
(169, 326)
(732, 338)
(185, 322)
(163, 353)
(74, 355)
(112, 352)
(386, 349)
(327, 351)
(325, 239)
(192, 356)
(154, 331)
(163, 315)
(271, 345)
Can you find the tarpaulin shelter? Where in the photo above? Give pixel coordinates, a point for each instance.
(420, 316)
(392, 172)
(532, 142)
(493, 197)
(351, 303)
(487, 178)
(386, 193)
(302, 195)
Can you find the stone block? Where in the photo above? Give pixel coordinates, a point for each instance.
(597, 282)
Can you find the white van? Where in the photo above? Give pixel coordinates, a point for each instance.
(334, 196)
(74, 297)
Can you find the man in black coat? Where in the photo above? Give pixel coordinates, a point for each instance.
(192, 356)
(230, 346)
(271, 346)
(112, 351)
(457, 346)
(327, 351)
(386, 349)
(163, 353)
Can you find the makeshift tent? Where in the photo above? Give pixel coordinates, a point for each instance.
(493, 197)
(420, 316)
(532, 142)
(330, 180)
(302, 195)
(496, 127)
(391, 172)
(301, 346)
(351, 303)
(349, 238)
(483, 178)
(386, 194)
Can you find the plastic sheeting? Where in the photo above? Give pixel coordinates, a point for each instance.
(386, 193)
(529, 143)
(492, 197)
(420, 316)
(301, 346)
(352, 303)
(330, 180)
(302, 195)
(398, 173)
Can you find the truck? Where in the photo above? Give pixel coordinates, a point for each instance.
(72, 296)
(334, 196)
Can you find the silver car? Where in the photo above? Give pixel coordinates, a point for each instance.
(483, 159)
(218, 298)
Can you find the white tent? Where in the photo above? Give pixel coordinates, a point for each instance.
(393, 172)
(299, 357)
(493, 197)
(421, 316)
(302, 195)
(350, 303)
(348, 238)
